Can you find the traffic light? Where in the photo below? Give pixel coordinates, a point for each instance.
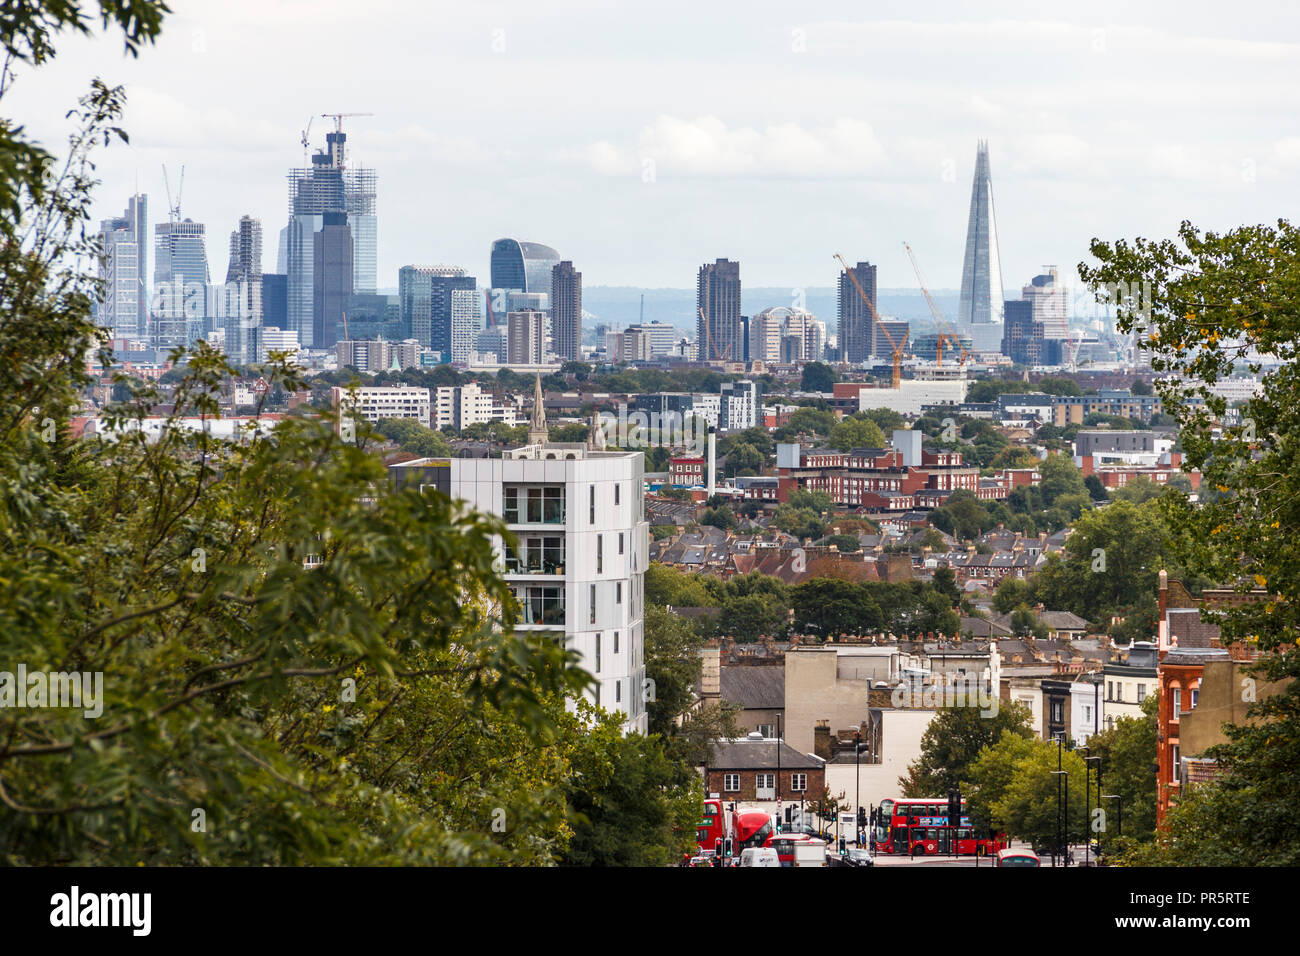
(862, 817)
(728, 847)
(717, 852)
(954, 808)
(842, 850)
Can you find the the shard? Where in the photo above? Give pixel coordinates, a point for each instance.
(981, 273)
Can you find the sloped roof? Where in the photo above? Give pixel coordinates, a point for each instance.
(754, 688)
(746, 754)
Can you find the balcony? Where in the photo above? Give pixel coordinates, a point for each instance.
(533, 505)
(541, 605)
(537, 555)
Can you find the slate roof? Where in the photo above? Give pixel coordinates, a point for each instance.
(745, 754)
(754, 688)
(1188, 630)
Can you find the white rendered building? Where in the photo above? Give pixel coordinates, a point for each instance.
(578, 514)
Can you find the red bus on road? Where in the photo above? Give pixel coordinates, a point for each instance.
(716, 825)
(920, 827)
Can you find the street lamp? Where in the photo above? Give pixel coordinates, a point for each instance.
(857, 791)
(1086, 819)
(778, 769)
(1063, 814)
(1119, 815)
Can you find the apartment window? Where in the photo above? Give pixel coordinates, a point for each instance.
(595, 694)
(592, 518)
(620, 542)
(532, 505)
(1173, 768)
(540, 605)
(765, 781)
(617, 488)
(1110, 690)
(616, 642)
(618, 592)
(1142, 692)
(731, 782)
(1196, 695)
(1178, 701)
(593, 604)
(618, 691)
(798, 782)
(597, 653)
(767, 730)
(1058, 712)
(600, 554)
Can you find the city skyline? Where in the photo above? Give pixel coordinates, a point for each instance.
(831, 110)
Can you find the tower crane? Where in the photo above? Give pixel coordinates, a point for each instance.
(306, 140)
(338, 118)
(897, 379)
(941, 327)
(173, 209)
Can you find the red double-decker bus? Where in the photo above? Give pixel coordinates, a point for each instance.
(716, 825)
(918, 827)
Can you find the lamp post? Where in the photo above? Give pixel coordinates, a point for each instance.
(1063, 814)
(778, 765)
(857, 786)
(1086, 818)
(1087, 795)
(1119, 815)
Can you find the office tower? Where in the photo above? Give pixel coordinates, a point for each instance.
(857, 330)
(331, 278)
(243, 329)
(119, 270)
(581, 548)
(1022, 337)
(327, 187)
(526, 338)
(522, 266)
(634, 345)
(981, 274)
(566, 310)
(180, 279)
(466, 321)
(662, 337)
(275, 289)
(1050, 305)
(718, 308)
(425, 294)
(765, 335)
(137, 213)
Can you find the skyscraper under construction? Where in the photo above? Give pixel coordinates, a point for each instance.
(328, 188)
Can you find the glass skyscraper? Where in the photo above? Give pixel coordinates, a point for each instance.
(981, 274)
(523, 266)
(180, 279)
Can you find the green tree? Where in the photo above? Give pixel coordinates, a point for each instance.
(800, 522)
(668, 586)
(744, 459)
(1128, 752)
(818, 377)
(856, 433)
(1012, 592)
(411, 436)
(1013, 786)
(952, 742)
(830, 606)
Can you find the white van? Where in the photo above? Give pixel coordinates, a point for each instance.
(759, 856)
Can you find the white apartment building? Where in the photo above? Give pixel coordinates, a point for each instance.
(455, 406)
(738, 406)
(583, 546)
(376, 403)
(466, 320)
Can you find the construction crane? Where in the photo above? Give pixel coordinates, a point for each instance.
(725, 356)
(338, 118)
(941, 327)
(173, 209)
(345, 326)
(306, 140)
(897, 380)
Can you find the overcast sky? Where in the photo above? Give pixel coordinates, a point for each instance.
(643, 139)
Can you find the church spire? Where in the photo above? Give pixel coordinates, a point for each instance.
(537, 433)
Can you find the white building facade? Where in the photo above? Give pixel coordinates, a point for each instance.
(379, 402)
(583, 546)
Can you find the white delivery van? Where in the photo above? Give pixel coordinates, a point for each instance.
(759, 856)
(811, 853)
